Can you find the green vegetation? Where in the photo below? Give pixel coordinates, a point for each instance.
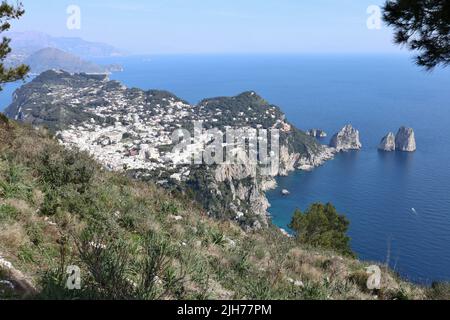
(423, 27)
(134, 240)
(7, 13)
(7, 212)
(321, 226)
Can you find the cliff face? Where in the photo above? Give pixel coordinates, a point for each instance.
(288, 161)
(387, 143)
(346, 139)
(245, 191)
(405, 140)
(131, 130)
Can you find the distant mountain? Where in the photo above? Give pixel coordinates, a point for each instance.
(26, 43)
(55, 59)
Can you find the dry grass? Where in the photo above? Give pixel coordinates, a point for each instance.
(22, 207)
(12, 237)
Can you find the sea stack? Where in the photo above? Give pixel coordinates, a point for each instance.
(285, 192)
(405, 140)
(316, 133)
(346, 139)
(387, 143)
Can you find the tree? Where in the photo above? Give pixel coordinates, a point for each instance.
(7, 13)
(422, 26)
(321, 226)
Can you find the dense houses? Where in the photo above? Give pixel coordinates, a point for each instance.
(132, 129)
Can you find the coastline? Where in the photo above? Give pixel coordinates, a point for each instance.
(303, 164)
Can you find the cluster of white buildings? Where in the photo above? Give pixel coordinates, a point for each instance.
(130, 129)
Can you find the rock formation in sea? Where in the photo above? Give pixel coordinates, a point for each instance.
(316, 133)
(285, 192)
(405, 140)
(346, 139)
(387, 143)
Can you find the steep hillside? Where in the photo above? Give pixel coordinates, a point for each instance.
(132, 239)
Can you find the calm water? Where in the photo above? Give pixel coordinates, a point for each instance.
(376, 94)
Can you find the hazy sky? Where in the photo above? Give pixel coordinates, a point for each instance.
(216, 26)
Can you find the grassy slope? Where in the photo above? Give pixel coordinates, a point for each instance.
(59, 208)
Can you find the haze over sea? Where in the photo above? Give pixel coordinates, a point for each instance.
(398, 203)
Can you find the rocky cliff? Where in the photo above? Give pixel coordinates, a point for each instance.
(387, 143)
(405, 140)
(346, 139)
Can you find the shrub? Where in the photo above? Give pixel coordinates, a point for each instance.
(35, 233)
(321, 226)
(58, 169)
(67, 176)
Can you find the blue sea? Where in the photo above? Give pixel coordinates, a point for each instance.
(398, 204)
